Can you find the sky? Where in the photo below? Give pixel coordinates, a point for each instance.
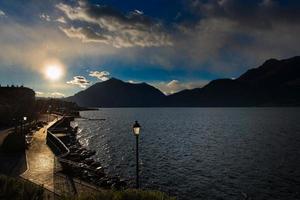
(59, 47)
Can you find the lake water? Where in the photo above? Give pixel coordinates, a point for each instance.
(202, 153)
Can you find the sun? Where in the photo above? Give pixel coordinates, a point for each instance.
(53, 72)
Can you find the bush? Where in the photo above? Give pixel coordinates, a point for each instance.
(15, 189)
(129, 194)
(13, 143)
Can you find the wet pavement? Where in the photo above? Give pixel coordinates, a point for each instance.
(40, 160)
(44, 169)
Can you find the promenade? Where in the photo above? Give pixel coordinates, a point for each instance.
(40, 160)
(43, 169)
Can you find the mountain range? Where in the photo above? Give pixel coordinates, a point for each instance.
(274, 83)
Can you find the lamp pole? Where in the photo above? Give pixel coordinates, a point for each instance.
(137, 162)
(49, 111)
(136, 131)
(21, 126)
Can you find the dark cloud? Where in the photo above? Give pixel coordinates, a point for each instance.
(107, 25)
(223, 35)
(262, 14)
(230, 33)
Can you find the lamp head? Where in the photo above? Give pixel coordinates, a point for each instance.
(136, 128)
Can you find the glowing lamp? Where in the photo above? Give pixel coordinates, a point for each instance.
(136, 128)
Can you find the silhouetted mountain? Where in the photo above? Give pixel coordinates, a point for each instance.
(275, 83)
(220, 92)
(116, 93)
(274, 73)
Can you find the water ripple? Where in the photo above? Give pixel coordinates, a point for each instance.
(202, 153)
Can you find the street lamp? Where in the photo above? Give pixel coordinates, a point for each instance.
(136, 131)
(24, 119)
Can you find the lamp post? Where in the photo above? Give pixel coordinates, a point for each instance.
(49, 111)
(136, 131)
(15, 124)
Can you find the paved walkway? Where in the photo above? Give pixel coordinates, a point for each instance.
(43, 169)
(40, 160)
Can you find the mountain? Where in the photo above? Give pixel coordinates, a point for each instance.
(220, 92)
(274, 83)
(116, 93)
(274, 73)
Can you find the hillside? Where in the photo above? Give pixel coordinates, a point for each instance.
(116, 93)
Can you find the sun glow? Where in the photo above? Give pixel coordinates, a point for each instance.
(53, 72)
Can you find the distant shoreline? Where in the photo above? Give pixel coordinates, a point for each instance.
(194, 107)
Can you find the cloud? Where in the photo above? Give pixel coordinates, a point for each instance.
(79, 81)
(176, 86)
(139, 12)
(30, 45)
(231, 34)
(85, 34)
(61, 20)
(38, 93)
(103, 24)
(2, 13)
(57, 94)
(50, 94)
(225, 36)
(133, 82)
(45, 17)
(103, 75)
(256, 14)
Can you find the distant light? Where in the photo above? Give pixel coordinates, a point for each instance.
(24, 118)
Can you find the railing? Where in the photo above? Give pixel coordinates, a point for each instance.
(47, 195)
(60, 150)
(56, 145)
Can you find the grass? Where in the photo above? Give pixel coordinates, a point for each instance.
(16, 189)
(130, 194)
